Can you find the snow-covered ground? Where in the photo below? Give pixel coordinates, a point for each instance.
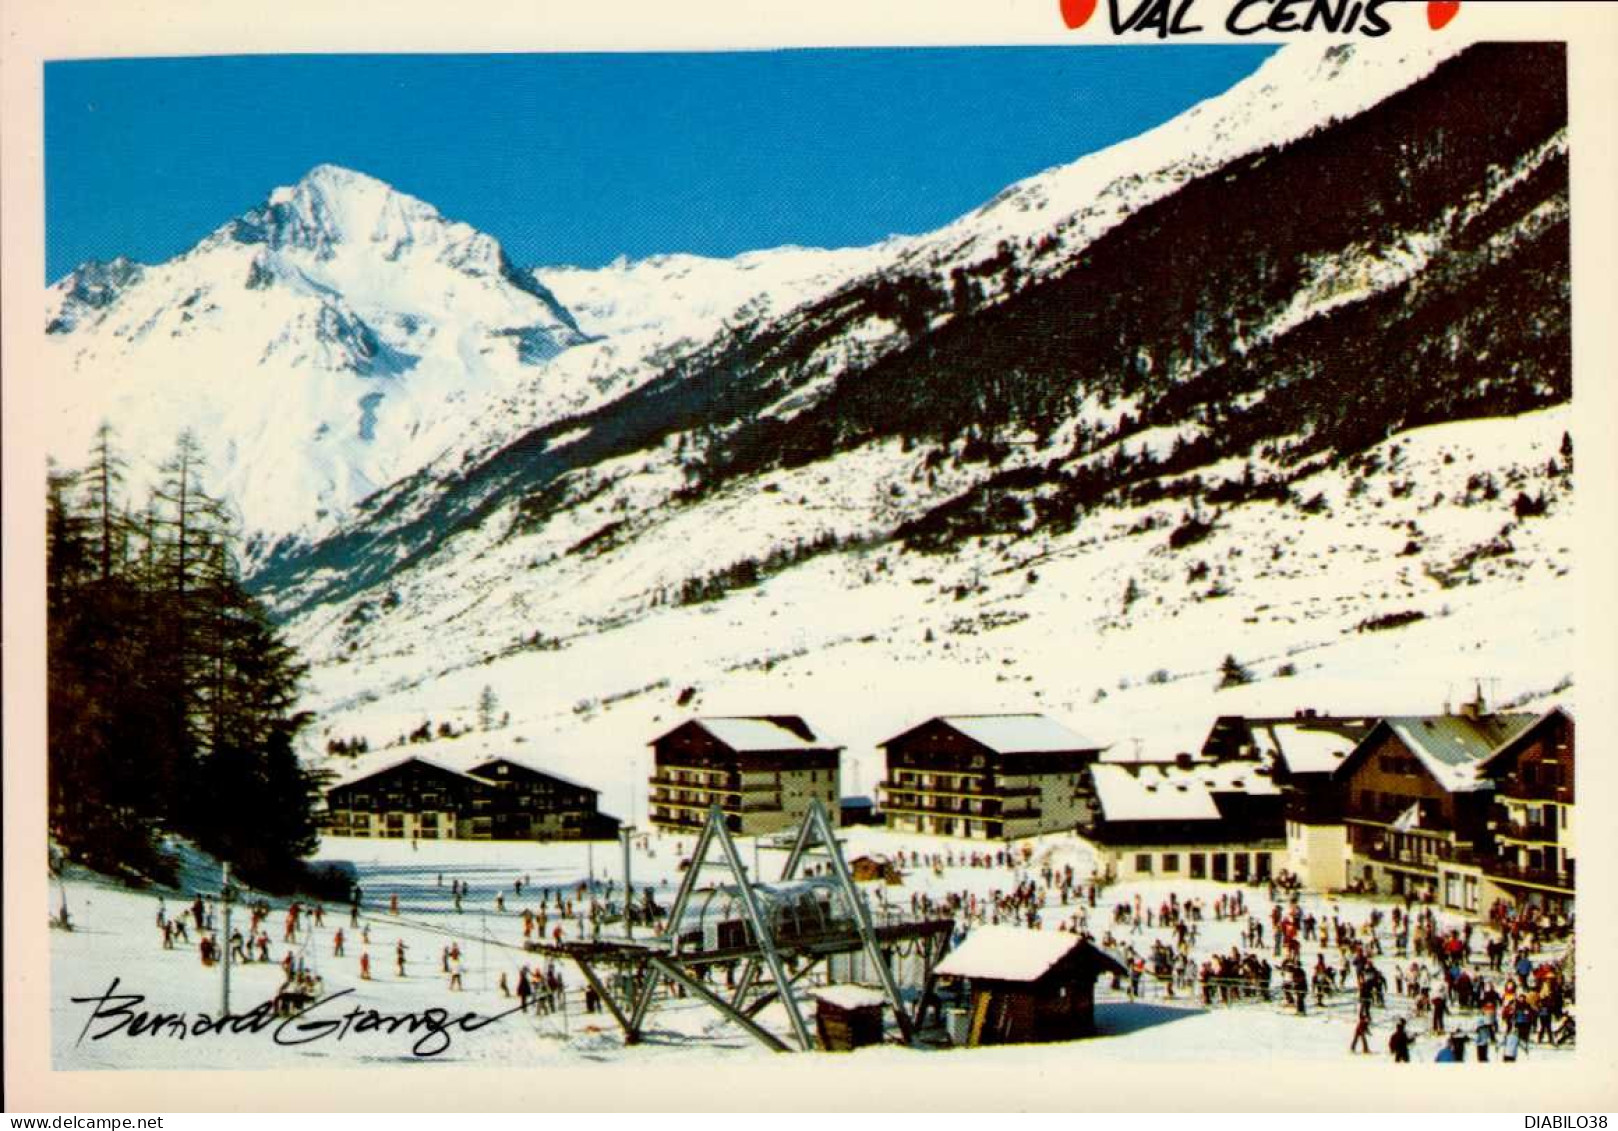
(116, 937)
(866, 642)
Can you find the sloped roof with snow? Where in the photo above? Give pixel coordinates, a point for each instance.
(1009, 954)
(486, 771)
(474, 767)
(1014, 734)
(1454, 747)
(1492, 764)
(367, 770)
(849, 996)
(759, 734)
(1307, 750)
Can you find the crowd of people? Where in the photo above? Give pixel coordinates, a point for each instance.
(1476, 985)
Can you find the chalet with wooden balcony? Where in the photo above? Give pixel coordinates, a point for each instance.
(499, 799)
(1417, 800)
(1532, 817)
(518, 802)
(988, 777)
(762, 772)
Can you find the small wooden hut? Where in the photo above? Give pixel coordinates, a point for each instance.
(868, 869)
(848, 1017)
(1028, 986)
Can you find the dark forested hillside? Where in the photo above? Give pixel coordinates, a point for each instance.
(1168, 310)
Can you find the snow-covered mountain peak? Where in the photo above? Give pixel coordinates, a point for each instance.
(332, 206)
(339, 228)
(350, 318)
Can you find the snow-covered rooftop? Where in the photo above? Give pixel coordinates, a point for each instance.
(1146, 795)
(363, 768)
(1454, 747)
(472, 763)
(1306, 750)
(849, 996)
(1166, 792)
(1010, 954)
(758, 734)
(486, 771)
(1019, 734)
(1491, 764)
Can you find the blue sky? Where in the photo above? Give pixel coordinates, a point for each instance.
(580, 158)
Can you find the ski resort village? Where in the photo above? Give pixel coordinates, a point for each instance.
(1130, 622)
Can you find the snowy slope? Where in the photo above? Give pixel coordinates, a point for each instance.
(867, 641)
(1297, 90)
(689, 295)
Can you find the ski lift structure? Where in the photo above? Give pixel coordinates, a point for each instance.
(776, 933)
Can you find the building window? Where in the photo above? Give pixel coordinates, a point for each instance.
(1143, 863)
(1171, 862)
(1403, 764)
(1199, 866)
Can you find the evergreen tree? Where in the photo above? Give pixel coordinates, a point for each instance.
(488, 708)
(1131, 594)
(1232, 674)
(171, 695)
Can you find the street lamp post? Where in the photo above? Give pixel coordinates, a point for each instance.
(227, 896)
(627, 832)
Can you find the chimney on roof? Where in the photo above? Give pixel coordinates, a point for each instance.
(1475, 708)
(1183, 760)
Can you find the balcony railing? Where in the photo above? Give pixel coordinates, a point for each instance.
(930, 806)
(1404, 850)
(1538, 877)
(1520, 790)
(988, 792)
(699, 805)
(1538, 832)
